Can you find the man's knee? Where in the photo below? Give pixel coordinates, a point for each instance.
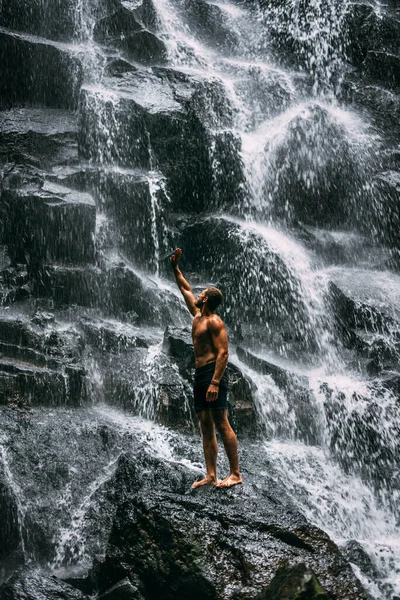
(220, 418)
(206, 424)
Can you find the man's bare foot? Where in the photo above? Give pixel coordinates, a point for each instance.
(230, 481)
(208, 480)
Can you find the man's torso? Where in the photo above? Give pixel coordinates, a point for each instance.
(204, 349)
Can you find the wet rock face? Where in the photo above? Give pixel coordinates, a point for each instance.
(114, 146)
(166, 541)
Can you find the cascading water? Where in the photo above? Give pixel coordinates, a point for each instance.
(213, 122)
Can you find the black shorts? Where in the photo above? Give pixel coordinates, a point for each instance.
(202, 380)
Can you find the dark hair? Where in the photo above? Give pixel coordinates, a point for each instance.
(214, 296)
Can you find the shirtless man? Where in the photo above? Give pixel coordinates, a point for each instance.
(211, 385)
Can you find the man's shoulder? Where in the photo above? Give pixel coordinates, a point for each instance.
(214, 321)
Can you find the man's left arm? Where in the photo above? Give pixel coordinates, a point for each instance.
(220, 341)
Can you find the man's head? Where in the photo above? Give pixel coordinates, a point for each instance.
(212, 296)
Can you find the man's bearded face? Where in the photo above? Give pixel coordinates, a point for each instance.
(200, 299)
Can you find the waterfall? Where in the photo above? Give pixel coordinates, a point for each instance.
(234, 130)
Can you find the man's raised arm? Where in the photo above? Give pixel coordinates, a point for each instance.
(182, 284)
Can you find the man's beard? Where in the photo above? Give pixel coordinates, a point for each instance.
(198, 303)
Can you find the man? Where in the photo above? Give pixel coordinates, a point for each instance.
(211, 386)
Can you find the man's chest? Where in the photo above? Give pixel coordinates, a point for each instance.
(200, 331)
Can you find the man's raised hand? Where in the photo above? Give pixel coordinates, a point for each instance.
(175, 257)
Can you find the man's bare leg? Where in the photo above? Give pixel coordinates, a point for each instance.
(229, 439)
(210, 449)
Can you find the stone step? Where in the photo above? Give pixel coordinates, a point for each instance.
(39, 340)
(24, 354)
(133, 205)
(45, 222)
(341, 247)
(38, 136)
(35, 70)
(65, 19)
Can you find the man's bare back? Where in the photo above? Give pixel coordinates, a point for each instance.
(210, 343)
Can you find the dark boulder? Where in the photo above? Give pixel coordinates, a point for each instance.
(121, 29)
(10, 534)
(123, 590)
(178, 344)
(356, 554)
(366, 299)
(383, 67)
(136, 205)
(313, 174)
(387, 211)
(56, 84)
(46, 222)
(209, 23)
(370, 30)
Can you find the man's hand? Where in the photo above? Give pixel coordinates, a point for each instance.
(212, 393)
(175, 257)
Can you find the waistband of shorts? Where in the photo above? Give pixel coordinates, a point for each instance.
(205, 368)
